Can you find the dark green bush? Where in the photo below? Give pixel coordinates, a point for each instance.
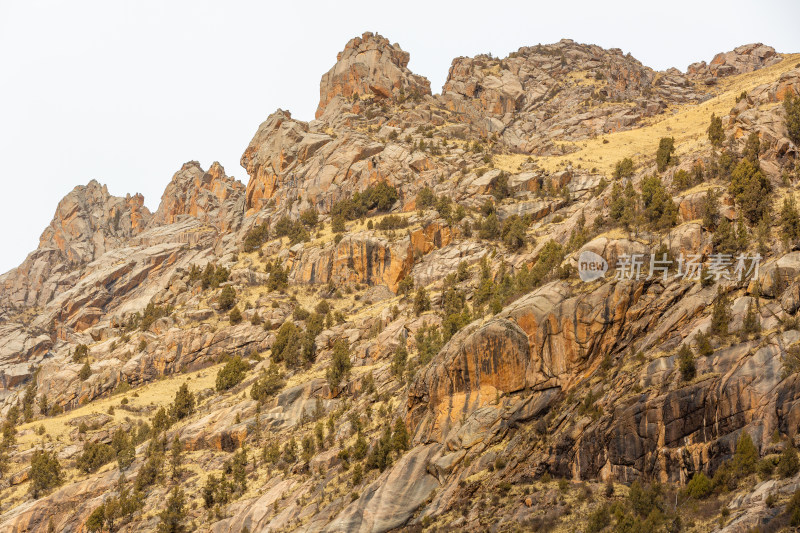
(231, 374)
(665, 155)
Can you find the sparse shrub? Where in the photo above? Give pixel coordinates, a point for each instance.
(45, 472)
(256, 237)
(183, 404)
(623, 168)
(686, 363)
(227, 298)
(340, 364)
(95, 455)
(235, 315)
(665, 155)
(85, 371)
(231, 374)
(699, 487)
(750, 189)
(791, 106)
(788, 464)
(422, 302)
(715, 132)
(269, 384)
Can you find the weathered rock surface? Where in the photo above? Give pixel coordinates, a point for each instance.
(370, 66)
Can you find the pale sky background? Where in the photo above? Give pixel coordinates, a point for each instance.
(126, 92)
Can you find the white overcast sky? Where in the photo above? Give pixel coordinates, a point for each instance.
(126, 92)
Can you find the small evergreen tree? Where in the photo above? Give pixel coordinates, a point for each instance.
(715, 132)
(45, 472)
(665, 154)
(123, 448)
(720, 314)
(174, 514)
(235, 316)
(623, 168)
(399, 359)
(750, 189)
(421, 301)
(790, 220)
(183, 404)
(400, 437)
(686, 363)
(227, 298)
(176, 457)
(340, 364)
(752, 148)
(710, 209)
(269, 384)
(788, 464)
(791, 106)
(85, 371)
(231, 374)
(746, 456)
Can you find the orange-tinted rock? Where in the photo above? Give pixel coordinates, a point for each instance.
(208, 196)
(370, 66)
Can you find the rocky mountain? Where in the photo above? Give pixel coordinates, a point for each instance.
(561, 295)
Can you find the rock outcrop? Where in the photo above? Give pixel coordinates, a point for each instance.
(745, 58)
(370, 66)
(211, 197)
(387, 328)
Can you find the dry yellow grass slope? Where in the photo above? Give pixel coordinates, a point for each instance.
(158, 393)
(687, 124)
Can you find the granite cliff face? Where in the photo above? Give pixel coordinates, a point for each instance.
(385, 329)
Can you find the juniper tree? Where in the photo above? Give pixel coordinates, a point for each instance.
(715, 133)
(665, 155)
(720, 314)
(686, 363)
(791, 106)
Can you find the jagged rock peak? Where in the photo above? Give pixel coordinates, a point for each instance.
(198, 193)
(275, 147)
(88, 221)
(370, 66)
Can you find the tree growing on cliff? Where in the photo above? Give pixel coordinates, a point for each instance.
(85, 371)
(81, 353)
(750, 189)
(45, 472)
(623, 168)
(269, 384)
(686, 363)
(231, 374)
(235, 316)
(340, 366)
(665, 155)
(227, 298)
(715, 133)
(792, 107)
(720, 314)
(172, 517)
(659, 208)
(184, 402)
(421, 301)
